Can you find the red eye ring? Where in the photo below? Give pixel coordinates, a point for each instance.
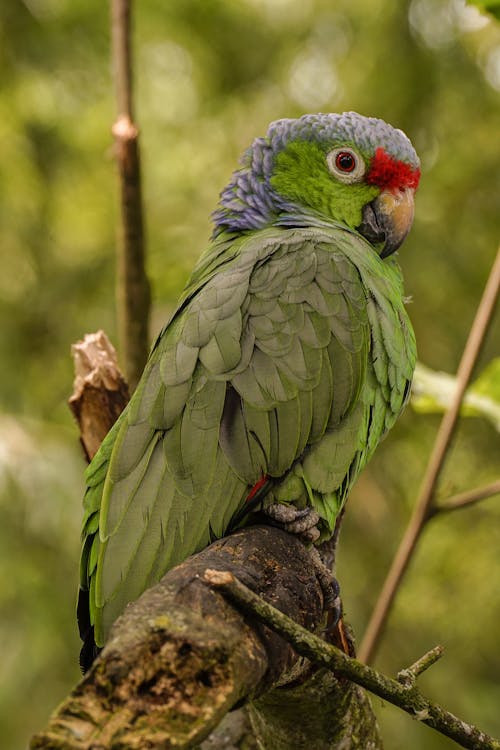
(345, 161)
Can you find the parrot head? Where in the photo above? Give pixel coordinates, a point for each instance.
(357, 171)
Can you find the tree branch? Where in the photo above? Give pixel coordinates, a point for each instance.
(182, 656)
(401, 693)
(133, 294)
(409, 675)
(422, 511)
(465, 499)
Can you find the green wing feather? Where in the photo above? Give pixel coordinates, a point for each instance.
(289, 355)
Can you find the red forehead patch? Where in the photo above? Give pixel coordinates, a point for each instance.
(390, 174)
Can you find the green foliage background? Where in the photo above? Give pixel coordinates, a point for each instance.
(210, 75)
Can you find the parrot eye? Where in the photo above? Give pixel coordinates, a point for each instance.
(346, 165)
(344, 161)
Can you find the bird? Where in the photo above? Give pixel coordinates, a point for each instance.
(289, 356)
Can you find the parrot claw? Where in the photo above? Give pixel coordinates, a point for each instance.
(329, 586)
(302, 522)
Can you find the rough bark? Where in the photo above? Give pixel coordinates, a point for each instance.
(233, 733)
(321, 713)
(182, 656)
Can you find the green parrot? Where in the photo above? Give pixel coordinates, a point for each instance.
(289, 356)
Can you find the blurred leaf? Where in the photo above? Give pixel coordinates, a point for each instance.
(491, 6)
(432, 392)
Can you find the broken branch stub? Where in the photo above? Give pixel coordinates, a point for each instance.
(100, 392)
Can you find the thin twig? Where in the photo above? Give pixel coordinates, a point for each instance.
(441, 446)
(409, 675)
(406, 697)
(464, 499)
(133, 295)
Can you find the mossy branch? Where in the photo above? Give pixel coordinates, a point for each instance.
(182, 656)
(402, 693)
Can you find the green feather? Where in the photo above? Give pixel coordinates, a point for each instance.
(289, 355)
(322, 399)
(223, 350)
(120, 487)
(283, 445)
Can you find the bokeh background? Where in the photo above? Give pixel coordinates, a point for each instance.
(210, 76)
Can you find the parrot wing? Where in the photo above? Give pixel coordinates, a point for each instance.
(266, 355)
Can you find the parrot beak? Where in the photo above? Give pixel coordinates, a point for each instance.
(388, 219)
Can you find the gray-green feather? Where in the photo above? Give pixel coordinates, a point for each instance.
(289, 356)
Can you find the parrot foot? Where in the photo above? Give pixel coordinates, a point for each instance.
(302, 522)
(329, 585)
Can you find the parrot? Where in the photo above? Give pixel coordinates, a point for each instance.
(289, 356)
